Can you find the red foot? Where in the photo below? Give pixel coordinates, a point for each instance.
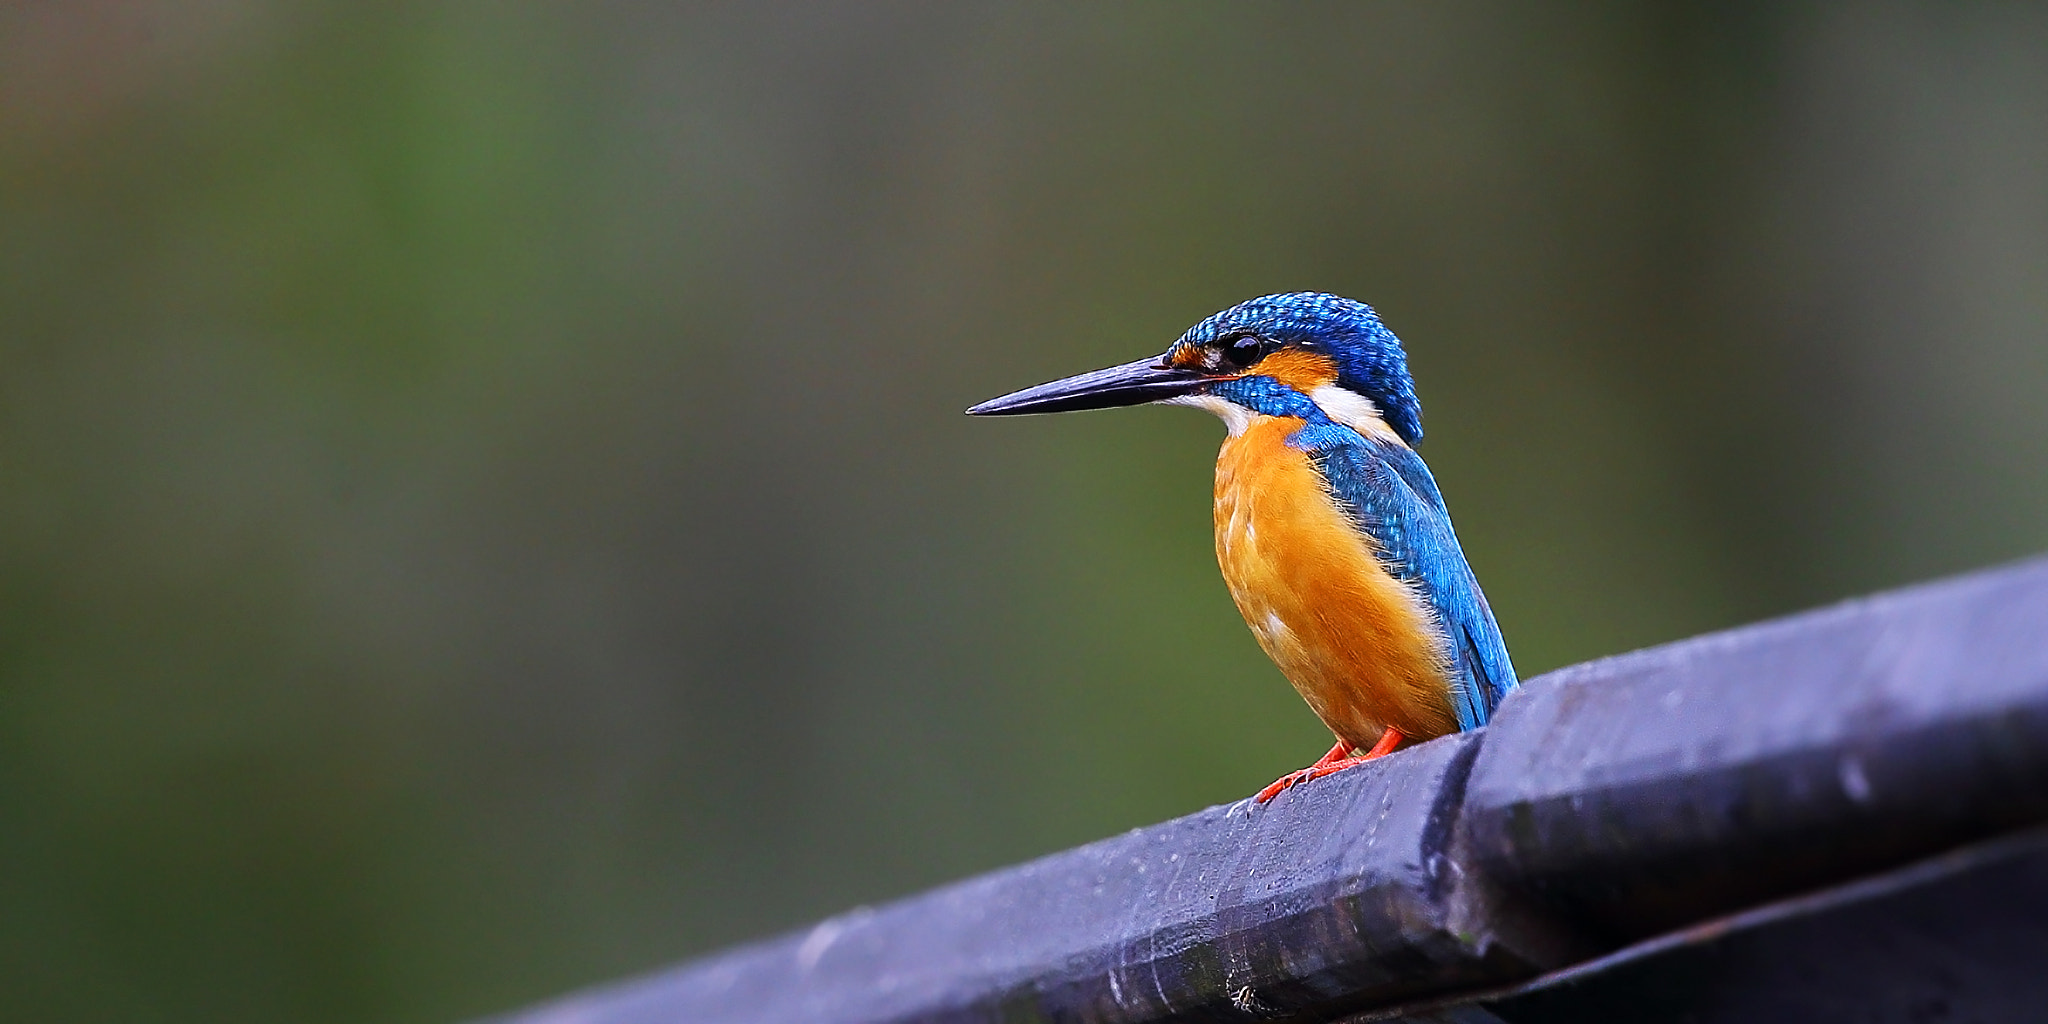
(1388, 741)
(1338, 759)
(1337, 753)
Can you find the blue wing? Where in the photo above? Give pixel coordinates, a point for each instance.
(1390, 495)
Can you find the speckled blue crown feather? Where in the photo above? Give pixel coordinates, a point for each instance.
(1369, 358)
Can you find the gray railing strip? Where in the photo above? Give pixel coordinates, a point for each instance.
(1332, 895)
(1639, 793)
(1607, 802)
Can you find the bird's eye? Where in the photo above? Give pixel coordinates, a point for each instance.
(1240, 353)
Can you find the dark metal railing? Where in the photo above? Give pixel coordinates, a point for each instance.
(1833, 816)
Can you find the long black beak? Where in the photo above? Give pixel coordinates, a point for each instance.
(1133, 383)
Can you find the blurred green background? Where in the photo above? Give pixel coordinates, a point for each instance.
(485, 506)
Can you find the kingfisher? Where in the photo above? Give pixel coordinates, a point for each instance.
(1331, 534)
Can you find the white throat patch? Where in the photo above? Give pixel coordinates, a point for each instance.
(1353, 410)
(1234, 416)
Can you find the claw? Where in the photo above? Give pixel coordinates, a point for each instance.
(1338, 759)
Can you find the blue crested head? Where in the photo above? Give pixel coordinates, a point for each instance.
(1369, 358)
(1277, 355)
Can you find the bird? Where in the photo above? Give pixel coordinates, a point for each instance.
(1332, 535)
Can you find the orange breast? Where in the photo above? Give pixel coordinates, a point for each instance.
(1361, 646)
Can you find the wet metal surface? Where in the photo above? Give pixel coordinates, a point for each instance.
(1820, 818)
(1960, 937)
(1331, 897)
(1636, 794)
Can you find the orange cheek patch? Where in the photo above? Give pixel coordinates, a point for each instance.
(1186, 357)
(1302, 371)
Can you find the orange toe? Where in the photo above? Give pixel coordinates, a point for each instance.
(1281, 783)
(1338, 759)
(1388, 741)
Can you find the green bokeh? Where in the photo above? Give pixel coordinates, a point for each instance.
(484, 505)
